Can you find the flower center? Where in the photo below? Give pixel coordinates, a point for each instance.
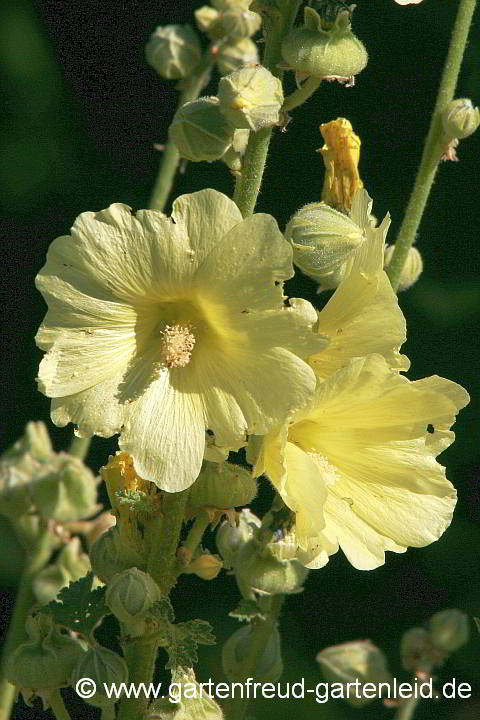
(178, 343)
(329, 472)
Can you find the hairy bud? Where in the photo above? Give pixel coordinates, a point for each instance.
(200, 131)
(173, 51)
(251, 98)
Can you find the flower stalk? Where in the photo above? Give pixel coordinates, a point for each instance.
(192, 87)
(434, 144)
(248, 186)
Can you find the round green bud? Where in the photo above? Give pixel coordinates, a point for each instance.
(256, 567)
(101, 666)
(238, 23)
(233, 157)
(460, 119)
(251, 98)
(233, 57)
(449, 630)
(230, 538)
(46, 660)
(412, 268)
(110, 556)
(416, 650)
(352, 661)
(222, 485)
(131, 594)
(324, 242)
(269, 666)
(68, 492)
(200, 131)
(315, 51)
(173, 51)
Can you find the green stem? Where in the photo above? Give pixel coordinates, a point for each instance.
(194, 538)
(247, 188)
(162, 562)
(58, 706)
(35, 561)
(192, 87)
(302, 93)
(262, 629)
(407, 709)
(140, 658)
(79, 447)
(108, 713)
(434, 144)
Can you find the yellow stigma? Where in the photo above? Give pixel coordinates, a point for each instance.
(178, 343)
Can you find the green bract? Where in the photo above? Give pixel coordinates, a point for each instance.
(251, 98)
(313, 50)
(460, 119)
(324, 240)
(268, 668)
(412, 268)
(173, 51)
(222, 485)
(232, 57)
(104, 667)
(200, 131)
(46, 660)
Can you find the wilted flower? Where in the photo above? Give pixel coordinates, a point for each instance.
(159, 328)
(341, 155)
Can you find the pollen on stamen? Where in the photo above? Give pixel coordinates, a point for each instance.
(329, 472)
(178, 345)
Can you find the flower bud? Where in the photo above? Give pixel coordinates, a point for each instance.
(412, 268)
(449, 630)
(324, 242)
(130, 595)
(222, 485)
(233, 57)
(319, 51)
(359, 660)
(238, 23)
(230, 538)
(68, 492)
(416, 650)
(460, 119)
(200, 131)
(46, 660)
(101, 666)
(205, 566)
(251, 98)
(256, 567)
(269, 666)
(173, 51)
(110, 555)
(233, 157)
(70, 565)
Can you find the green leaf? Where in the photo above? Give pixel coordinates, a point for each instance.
(162, 610)
(79, 608)
(184, 641)
(246, 610)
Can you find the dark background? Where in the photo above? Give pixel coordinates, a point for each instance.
(81, 114)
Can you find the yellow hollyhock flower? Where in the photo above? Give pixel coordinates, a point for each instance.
(362, 316)
(160, 328)
(358, 466)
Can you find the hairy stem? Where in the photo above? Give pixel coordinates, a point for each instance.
(140, 658)
(434, 143)
(35, 561)
(79, 447)
(194, 538)
(302, 93)
(192, 87)
(162, 563)
(277, 25)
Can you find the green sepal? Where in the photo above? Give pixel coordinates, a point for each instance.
(246, 611)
